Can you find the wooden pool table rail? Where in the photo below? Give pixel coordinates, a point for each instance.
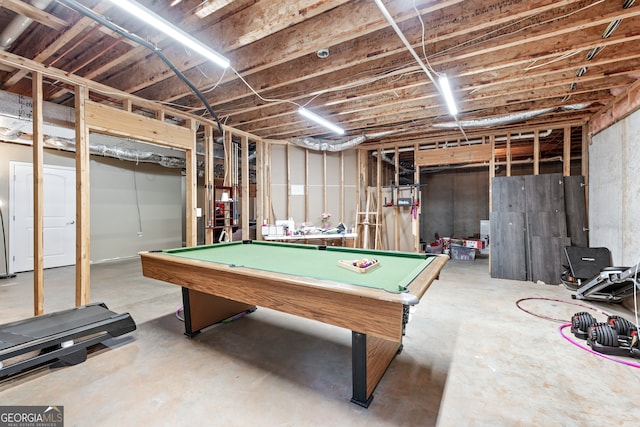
(213, 292)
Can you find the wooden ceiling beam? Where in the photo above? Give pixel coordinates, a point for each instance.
(513, 56)
(443, 24)
(32, 12)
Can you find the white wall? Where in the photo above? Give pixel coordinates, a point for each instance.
(281, 183)
(614, 190)
(114, 212)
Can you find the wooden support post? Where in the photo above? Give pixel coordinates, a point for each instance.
(260, 186)
(536, 152)
(288, 183)
(566, 152)
(267, 176)
(83, 205)
(492, 165)
(492, 171)
(209, 181)
(227, 158)
(378, 237)
(191, 191)
(586, 141)
(306, 185)
(342, 218)
(325, 207)
(416, 197)
(38, 195)
(244, 147)
(359, 175)
(396, 209)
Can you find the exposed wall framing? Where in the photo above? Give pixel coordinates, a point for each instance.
(117, 114)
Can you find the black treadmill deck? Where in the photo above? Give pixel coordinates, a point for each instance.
(63, 336)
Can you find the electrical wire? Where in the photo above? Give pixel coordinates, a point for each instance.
(518, 304)
(589, 350)
(137, 39)
(635, 298)
(424, 50)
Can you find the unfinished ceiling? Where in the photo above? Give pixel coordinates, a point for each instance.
(511, 63)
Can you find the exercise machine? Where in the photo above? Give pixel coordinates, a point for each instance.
(592, 277)
(62, 336)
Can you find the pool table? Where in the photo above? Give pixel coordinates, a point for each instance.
(222, 280)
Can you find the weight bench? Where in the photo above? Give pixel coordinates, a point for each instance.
(63, 336)
(592, 277)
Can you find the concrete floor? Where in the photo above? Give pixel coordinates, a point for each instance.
(471, 358)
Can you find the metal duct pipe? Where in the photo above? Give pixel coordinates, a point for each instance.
(321, 144)
(18, 26)
(507, 118)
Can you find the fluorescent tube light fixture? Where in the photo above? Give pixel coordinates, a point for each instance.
(448, 96)
(321, 121)
(171, 30)
(208, 7)
(443, 84)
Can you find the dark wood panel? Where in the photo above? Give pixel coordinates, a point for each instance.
(508, 257)
(544, 193)
(547, 258)
(576, 210)
(547, 224)
(507, 194)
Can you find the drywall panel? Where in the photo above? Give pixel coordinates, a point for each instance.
(350, 195)
(296, 165)
(114, 212)
(278, 208)
(134, 207)
(333, 179)
(350, 187)
(297, 179)
(407, 224)
(350, 169)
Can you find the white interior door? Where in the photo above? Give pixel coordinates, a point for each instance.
(59, 237)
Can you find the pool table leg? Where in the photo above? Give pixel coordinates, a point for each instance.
(371, 357)
(202, 310)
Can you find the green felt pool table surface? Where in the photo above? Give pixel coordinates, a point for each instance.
(395, 272)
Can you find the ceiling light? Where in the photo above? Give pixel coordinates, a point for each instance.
(448, 96)
(208, 7)
(321, 121)
(171, 30)
(443, 85)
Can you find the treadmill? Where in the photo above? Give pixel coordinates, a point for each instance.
(63, 336)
